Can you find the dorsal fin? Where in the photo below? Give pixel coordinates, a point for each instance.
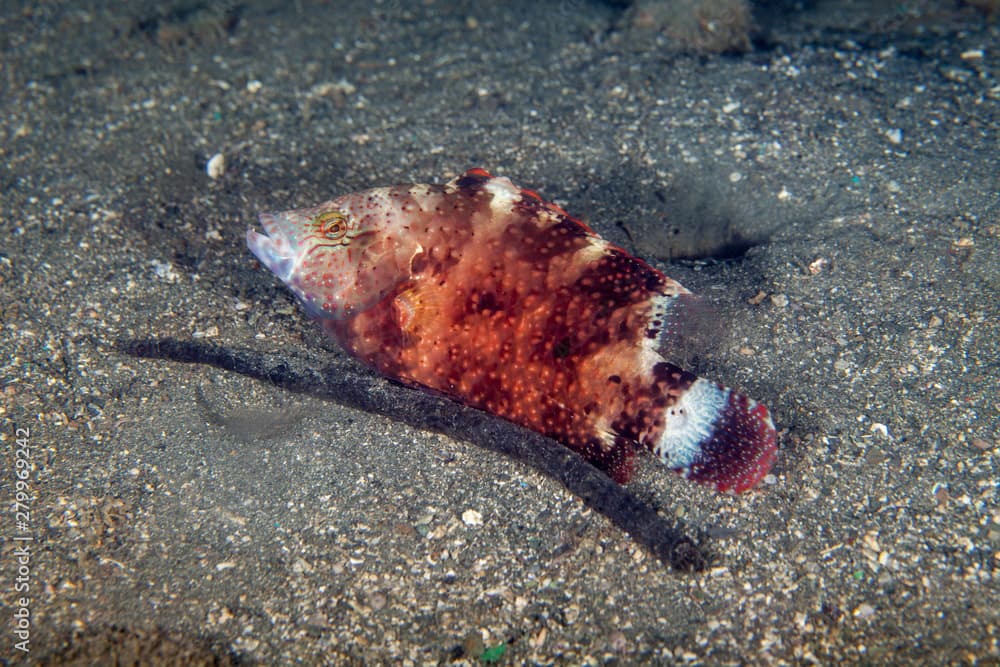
(473, 179)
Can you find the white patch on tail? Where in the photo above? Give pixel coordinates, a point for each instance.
(690, 422)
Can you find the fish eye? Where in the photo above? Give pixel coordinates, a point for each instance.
(332, 225)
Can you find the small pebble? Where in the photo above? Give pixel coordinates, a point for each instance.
(216, 166)
(779, 300)
(941, 495)
(472, 518)
(895, 135)
(864, 610)
(816, 266)
(300, 565)
(210, 332)
(164, 271)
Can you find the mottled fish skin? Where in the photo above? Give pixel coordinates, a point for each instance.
(483, 292)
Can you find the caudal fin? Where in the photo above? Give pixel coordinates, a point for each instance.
(716, 436)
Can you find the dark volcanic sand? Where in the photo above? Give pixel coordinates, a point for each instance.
(835, 192)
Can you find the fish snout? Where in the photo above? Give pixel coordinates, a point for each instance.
(272, 251)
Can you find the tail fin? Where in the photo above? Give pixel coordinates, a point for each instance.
(716, 436)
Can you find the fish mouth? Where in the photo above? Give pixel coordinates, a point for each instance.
(272, 248)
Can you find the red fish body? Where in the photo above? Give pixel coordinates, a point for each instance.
(481, 291)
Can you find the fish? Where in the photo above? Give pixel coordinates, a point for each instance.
(483, 292)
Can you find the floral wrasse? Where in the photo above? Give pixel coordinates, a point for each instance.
(481, 291)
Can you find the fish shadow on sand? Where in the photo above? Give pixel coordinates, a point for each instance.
(353, 387)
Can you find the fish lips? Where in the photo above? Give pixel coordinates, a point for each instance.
(273, 248)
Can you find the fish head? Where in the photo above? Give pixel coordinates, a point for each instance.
(321, 254)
